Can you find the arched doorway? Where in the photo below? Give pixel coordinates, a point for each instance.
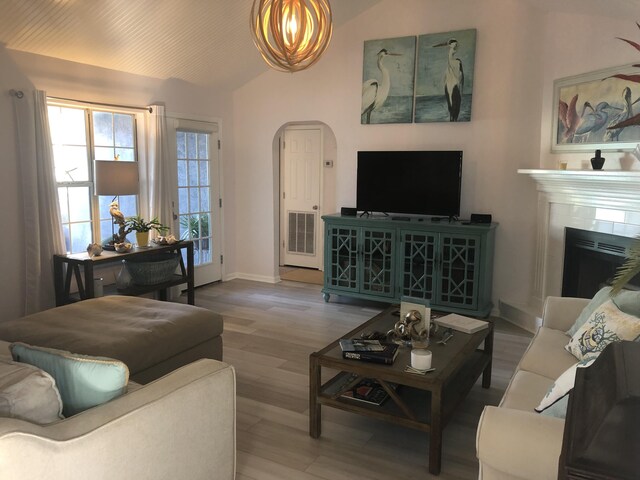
(306, 191)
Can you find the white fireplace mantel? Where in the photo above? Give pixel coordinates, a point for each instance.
(594, 188)
(559, 191)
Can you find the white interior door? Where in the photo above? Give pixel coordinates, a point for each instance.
(199, 201)
(301, 196)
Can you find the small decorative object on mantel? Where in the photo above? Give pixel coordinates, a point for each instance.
(598, 161)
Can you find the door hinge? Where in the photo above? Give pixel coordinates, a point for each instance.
(220, 202)
(284, 144)
(219, 144)
(221, 259)
(284, 195)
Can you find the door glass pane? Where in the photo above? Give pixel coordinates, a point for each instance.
(194, 193)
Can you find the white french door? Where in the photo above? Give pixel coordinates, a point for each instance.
(197, 216)
(301, 187)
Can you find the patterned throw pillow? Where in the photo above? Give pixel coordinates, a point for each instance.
(554, 403)
(606, 324)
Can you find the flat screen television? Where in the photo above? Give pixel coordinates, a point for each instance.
(410, 182)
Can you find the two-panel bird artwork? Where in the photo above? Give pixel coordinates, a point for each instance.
(421, 79)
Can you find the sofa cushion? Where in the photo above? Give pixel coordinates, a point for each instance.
(28, 393)
(606, 324)
(546, 355)
(83, 381)
(627, 301)
(140, 332)
(525, 391)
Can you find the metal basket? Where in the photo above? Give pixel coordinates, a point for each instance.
(152, 269)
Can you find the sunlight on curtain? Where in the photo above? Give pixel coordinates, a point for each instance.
(160, 189)
(41, 218)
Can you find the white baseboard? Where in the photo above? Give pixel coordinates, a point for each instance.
(250, 276)
(522, 315)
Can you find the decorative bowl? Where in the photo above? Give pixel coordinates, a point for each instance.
(123, 247)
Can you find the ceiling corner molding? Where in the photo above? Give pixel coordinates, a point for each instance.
(618, 190)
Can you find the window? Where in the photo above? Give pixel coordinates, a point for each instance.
(79, 136)
(194, 192)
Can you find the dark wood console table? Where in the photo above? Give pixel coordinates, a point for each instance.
(80, 266)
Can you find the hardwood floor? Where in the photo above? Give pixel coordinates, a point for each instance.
(269, 332)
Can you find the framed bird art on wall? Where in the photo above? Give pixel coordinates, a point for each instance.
(444, 77)
(388, 73)
(595, 111)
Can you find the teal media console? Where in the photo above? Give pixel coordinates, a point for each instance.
(450, 264)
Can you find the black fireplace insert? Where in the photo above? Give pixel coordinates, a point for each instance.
(591, 260)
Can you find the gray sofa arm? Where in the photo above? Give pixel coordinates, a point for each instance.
(507, 440)
(179, 426)
(561, 312)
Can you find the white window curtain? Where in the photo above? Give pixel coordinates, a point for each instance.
(42, 226)
(159, 168)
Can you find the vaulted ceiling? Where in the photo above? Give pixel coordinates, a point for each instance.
(205, 42)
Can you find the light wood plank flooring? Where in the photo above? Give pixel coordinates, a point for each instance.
(269, 332)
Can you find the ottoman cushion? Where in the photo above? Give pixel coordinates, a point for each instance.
(138, 331)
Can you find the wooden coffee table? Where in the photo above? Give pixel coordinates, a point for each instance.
(423, 402)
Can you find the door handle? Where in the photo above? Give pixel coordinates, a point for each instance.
(315, 207)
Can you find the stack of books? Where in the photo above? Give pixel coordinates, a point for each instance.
(462, 323)
(351, 387)
(369, 350)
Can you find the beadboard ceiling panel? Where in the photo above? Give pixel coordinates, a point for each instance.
(205, 42)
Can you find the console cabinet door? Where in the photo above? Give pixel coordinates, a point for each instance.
(418, 264)
(341, 258)
(459, 269)
(378, 262)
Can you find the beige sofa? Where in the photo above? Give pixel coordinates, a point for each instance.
(179, 426)
(513, 441)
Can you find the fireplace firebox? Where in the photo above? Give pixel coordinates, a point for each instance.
(591, 260)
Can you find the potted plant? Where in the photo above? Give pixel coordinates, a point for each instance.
(629, 269)
(142, 228)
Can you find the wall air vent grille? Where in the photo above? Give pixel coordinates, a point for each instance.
(302, 233)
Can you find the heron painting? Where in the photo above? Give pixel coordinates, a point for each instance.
(444, 80)
(388, 72)
(591, 111)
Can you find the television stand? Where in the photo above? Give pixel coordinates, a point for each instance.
(448, 264)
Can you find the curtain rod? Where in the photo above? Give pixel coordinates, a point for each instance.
(149, 109)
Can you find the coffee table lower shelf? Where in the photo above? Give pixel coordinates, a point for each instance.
(427, 408)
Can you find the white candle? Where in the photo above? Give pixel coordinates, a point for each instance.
(421, 359)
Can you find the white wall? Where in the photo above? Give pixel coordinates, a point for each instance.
(504, 133)
(22, 71)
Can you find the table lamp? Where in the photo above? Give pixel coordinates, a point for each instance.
(116, 177)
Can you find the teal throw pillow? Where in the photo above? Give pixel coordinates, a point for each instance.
(83, 381)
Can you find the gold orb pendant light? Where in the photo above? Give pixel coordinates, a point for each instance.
(291, 35)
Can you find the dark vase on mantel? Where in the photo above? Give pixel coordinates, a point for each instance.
(598, 161)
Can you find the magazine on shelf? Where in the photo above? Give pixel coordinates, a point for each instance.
(366, 390)
(462, 323)
(386, 356)
(360, 345)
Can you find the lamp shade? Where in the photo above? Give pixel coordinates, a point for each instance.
(116, 177)
(291, 35)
